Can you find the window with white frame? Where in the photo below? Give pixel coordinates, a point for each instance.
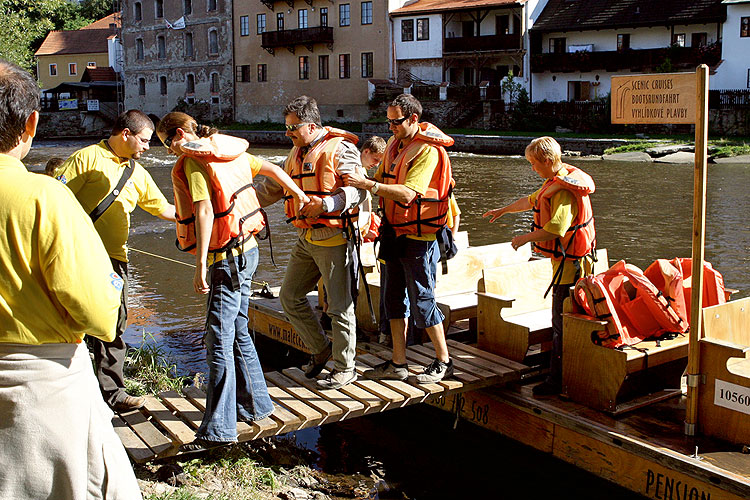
(280, 21)
(244, 25)
(678, 39)
(344, 15)
(302, 18)
(260, 23)
(366, 12)
(91, 64)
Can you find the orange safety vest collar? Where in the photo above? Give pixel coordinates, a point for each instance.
(237, 212)
(427, 213)
(316, 174)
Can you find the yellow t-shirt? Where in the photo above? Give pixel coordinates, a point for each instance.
(453, 211)
(418, 177)
(563, 211)
(91, 174)
(200, 189)
(56, 281)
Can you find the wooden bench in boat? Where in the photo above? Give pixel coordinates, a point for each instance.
(724, 394)
(455, 291)
(615, 380)
(514, 317)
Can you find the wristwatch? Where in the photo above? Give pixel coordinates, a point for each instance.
(374, 188)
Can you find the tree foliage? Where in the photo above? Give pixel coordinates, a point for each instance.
(25, 23)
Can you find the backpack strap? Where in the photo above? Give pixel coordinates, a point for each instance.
(111, 197)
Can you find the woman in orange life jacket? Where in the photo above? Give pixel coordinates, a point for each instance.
(563, 230)
(218, 216)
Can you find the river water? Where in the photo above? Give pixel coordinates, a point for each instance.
(643, 211)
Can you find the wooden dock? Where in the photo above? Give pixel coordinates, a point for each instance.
(170, 420)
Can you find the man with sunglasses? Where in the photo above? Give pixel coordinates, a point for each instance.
(415, 183)
(109, 184)
(321, 156)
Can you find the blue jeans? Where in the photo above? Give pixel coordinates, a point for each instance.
(235, 377)
(409, 286)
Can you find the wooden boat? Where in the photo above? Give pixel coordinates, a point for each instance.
(635, 440)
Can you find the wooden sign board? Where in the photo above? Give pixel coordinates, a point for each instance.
(654, 98)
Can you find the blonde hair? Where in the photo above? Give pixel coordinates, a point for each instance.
(545, 148)
(375, 144)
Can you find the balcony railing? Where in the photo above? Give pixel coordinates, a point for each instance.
(485, 43)
(667, 59)
(291, 38)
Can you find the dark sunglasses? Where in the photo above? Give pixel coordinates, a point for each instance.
(169, 139)
(295, 126)
(396, 121)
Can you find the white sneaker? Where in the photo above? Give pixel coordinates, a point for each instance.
(435, 372)
(337, 379)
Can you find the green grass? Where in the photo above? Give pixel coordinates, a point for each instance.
(149, 369)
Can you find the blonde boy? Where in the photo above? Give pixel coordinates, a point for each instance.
(563, 230)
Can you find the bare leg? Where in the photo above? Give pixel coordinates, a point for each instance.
(398, 332)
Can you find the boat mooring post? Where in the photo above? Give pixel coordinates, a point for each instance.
(676, 98)
(699, 242)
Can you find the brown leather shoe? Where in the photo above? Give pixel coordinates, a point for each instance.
(317, 362)
(129, 403)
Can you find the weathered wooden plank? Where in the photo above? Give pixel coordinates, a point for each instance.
(331, 412)
(145, 430)
(136, 448)
(494, 358)
(183, 408)
(287, 421)
(172, 424)
(310, 416)
(473, 359)
(395, 399)
(460, 376)
(458, 364)
(432, 389)
(352, 408)
(414, 394)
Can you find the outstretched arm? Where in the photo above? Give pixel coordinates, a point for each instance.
(520, 205)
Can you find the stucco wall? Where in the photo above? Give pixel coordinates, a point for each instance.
(734, 71)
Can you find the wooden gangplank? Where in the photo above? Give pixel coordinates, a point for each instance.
(170, 420)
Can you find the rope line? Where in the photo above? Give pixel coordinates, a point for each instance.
(261, 283)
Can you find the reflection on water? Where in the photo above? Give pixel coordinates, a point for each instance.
(643, 211)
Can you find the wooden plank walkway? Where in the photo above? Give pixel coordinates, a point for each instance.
(170, 420)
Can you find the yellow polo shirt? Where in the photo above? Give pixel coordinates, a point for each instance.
(56, 281)
(418, 177)
(91, 174)
(200, 189)
(563, 211)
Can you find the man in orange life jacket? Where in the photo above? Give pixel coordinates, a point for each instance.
(324, 248)
(563, 230)
(414, 183)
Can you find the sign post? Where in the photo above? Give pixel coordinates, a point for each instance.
(676, 98)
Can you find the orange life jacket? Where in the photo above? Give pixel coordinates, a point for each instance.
(580, 239)
(713, 283)
(632, 306)
(315, 174)
(237, 213)
(427, 213)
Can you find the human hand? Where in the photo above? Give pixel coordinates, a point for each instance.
(199, 280)
(357, 180)
(494, 213)
(518, 241)
(313, 208)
